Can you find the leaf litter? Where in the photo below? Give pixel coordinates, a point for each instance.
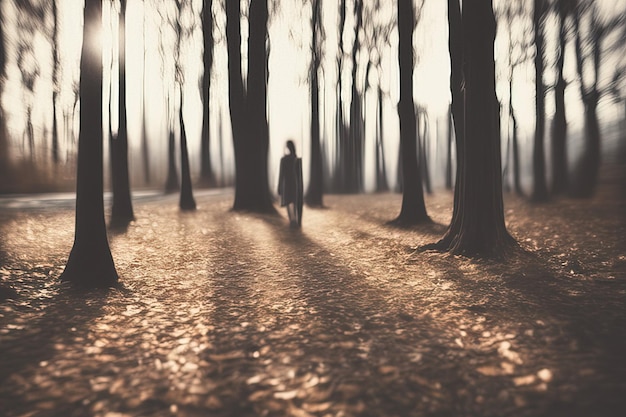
(236, 314)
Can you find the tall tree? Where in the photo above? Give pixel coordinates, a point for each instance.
(248, 107)
(4, 158)
(381, 171)
(55, 82)
(589, 47)
(314, 195)
(457, 107)
(145, 152)
(540, 189)
(449, 136)
(122, 210)
(207, 177)
(171, 183)
(559, 123)
(186, 201)
(340, 174)
(90, 263)
(413, 209)
(477, 227)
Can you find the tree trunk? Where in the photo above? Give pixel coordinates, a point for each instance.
(449, 151)
(207, 177)
(186, 201)
(171, 185)
(540, 189)
(413, 209)
(588, 168)
(422, 138)
(517, 184)
(55, 83)
(314, 195)
(477, 227)
(381, 172)
(559, 124)
(122, 210)
(249, 112)
(90, 263)
(145, 152)
(455, 47)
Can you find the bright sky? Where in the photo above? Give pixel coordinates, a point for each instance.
(288, 100)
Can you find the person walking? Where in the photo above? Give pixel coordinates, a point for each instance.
(290, 185)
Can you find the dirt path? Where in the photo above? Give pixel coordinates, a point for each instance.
(231, 314)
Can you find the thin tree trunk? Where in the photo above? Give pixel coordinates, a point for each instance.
(122, 210)
(55, 83)
(171, 185)
(381, 171)
(207, 177)
(90, 263)
(449, 151)
(540, 189)
(422, 137)
(186, 201)
(559, 124)
(413, 209)
(145, 151)
(314, 195)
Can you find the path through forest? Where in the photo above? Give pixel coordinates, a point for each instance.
(230, 314)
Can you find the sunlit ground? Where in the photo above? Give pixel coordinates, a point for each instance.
(231, 314)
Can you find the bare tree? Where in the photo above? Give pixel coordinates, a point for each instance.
(90, 263)
(540, 189)
(122, 210)
(314, 195)
(207, 177)
(559, 124)
(477, 227)
(413, 209)
(248, 107)
(590, 50)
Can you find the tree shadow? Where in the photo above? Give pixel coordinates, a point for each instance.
(369, 353)
(34, 341)
(576, 327)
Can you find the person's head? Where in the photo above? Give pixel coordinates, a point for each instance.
(291, 146)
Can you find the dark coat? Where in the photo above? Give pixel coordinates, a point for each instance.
(288, 180)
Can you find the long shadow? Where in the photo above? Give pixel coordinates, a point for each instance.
(573, 330)
(525, 290)
(65, 324)
(380, 360)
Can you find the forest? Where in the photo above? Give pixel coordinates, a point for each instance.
(457, 173)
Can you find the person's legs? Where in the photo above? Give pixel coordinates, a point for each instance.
(291, 213)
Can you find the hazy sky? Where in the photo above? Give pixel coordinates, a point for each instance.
(288, 101)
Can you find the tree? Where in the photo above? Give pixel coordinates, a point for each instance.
(540, 189)
(314, 195)
(122, 210)
(186, 201)
(590, 48)
(248, 107)
(55, 82)
(172, 184)
(4, 157)
(559, 123)
(90, 263)
(477, 227)
(519, 44)
(413, 209)
(207, 177)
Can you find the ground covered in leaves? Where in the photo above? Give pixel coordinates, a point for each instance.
(234, 314)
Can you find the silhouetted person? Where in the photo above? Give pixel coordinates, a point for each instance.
(290, 185)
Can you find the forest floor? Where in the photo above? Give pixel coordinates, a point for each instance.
(234, 314)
